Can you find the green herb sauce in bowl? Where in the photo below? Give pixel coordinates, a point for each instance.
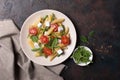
(82, 56)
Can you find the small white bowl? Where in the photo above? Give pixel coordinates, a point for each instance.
(90, 58)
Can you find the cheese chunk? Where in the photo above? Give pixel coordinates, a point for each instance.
(47, 23)
(36, 45)
(60, 51)
(60, 29)
(39, 25)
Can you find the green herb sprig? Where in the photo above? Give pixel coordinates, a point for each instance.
(85, 39)
(81, 55)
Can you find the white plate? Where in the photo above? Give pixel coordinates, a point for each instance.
(90, 58)
(42, 60)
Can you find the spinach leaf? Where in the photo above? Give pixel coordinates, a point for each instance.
(34, 38)
(54, 43)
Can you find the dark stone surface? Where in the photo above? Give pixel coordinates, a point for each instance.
(102, 16)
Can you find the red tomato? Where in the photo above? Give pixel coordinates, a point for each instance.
(65, 40)
(55, 27)
(44, 39)
(33, 31)
(47, 51)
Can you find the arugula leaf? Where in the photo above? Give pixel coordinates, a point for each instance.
(91, 33)
(84, 39)
(81, 55)
(34, 38)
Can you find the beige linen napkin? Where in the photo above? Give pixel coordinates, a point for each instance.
(14, 65)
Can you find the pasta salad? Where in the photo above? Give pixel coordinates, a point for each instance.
(48, 36)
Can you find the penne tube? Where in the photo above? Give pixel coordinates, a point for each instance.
(57, 21)
(49, 31)
(50, 18)
(30, 42)
(62, 46)
(57, 34)
(53, 56)
(66, 30)
(37, 54)
(68, 35)
(60, 24)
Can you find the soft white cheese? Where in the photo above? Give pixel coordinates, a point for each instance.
(47, 23)
(60, 29)
(36, 45)
(60, 51)
(46, 33)
(59, 41)
(39, 24)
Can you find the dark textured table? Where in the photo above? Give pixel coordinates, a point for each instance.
(102, 16)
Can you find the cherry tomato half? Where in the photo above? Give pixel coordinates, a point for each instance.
(44, 39)
(33, 31)
(65, 40)
(55, 27)
(47, 51)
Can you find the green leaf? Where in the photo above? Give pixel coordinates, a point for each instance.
(81, 55)
(45, 17)
(84, 39)
(54, 43)
(63, 32)
(53, 16)
(34, 38)
(91, 33)
(36, 49)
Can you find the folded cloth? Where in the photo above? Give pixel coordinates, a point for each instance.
(14, 65)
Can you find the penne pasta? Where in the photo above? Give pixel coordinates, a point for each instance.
(68, 35)
(50, 18)
(30, 42)
(57, 21)
(53, 56)
(66, 30)
(57, 34)
(49, 31)
(62, 46)
(37, 54)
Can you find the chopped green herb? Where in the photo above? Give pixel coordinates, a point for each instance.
(81, 55)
